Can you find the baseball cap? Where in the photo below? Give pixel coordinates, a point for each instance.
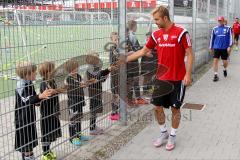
(220, 18)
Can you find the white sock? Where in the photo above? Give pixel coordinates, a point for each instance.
(224, 69)
(163, 128)
(173, 132)
(215, 73)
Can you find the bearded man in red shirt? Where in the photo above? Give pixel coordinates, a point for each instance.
(236, 32)
(173, 44)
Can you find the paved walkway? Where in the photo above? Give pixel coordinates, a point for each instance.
(209, 134)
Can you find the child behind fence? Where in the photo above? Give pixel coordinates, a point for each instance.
(25, 115)
(133, 67)
(76, 102)
(95, 90)
(50, 110)
(113, 58)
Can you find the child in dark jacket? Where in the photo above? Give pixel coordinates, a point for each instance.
(95, 90)
(113, 58)
(25, 114)
(133, 67)
(50, 110)
(76, 101)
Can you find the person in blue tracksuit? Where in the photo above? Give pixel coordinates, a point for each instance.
(220, 46)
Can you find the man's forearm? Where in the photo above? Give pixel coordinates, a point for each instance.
(137, 54)
(190, 60)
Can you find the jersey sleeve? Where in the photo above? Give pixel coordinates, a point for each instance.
(151, 43)
(186, 41)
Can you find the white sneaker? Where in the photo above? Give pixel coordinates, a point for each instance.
(161, 139)
(171, 143)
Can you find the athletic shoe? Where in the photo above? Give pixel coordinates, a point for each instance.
(76, 141)
(236, 48)
(115, 117)
(54, 156)
(47, 156)
(83, 137)
(161, 139)
(141, 101)
(225, 73)
(30, 158)
(215, 78)
(171, 143)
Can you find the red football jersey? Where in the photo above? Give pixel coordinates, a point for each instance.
(236, 28)
(171, 47)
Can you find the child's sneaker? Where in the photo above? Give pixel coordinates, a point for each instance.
(47, 156)
(93, 132)
(115, 117)
(54, 156)
(161, 139)
(76, 141)
(171, 143)
(83, 137)
(29, 158)
(141, 101)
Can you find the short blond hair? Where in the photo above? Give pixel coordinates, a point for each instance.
(70, 65)
(113, 34)
(92, 56)
(25, 68)
(132, 24)
(162, 10)
(45, 68)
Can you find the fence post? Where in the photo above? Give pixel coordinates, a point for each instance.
(171, 5)
(122, 77)
(194, 17)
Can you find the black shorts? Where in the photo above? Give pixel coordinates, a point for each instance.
(236, 37)
(220, 53)
(173, 99)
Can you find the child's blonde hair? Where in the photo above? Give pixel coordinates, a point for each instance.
(92, 57)
(132, 24)
(45, 68)
(25, 68)
(71, 65)
(113, 34)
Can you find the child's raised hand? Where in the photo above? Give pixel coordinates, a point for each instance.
(82, 84)
(91, 81)
(47, 93)
(113, 67)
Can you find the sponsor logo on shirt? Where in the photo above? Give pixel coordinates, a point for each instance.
(167, 45)
(159, 40)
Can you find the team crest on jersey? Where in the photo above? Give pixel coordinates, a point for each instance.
(224, 31)
(165, 37)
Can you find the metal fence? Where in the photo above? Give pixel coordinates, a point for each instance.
(36, 33)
